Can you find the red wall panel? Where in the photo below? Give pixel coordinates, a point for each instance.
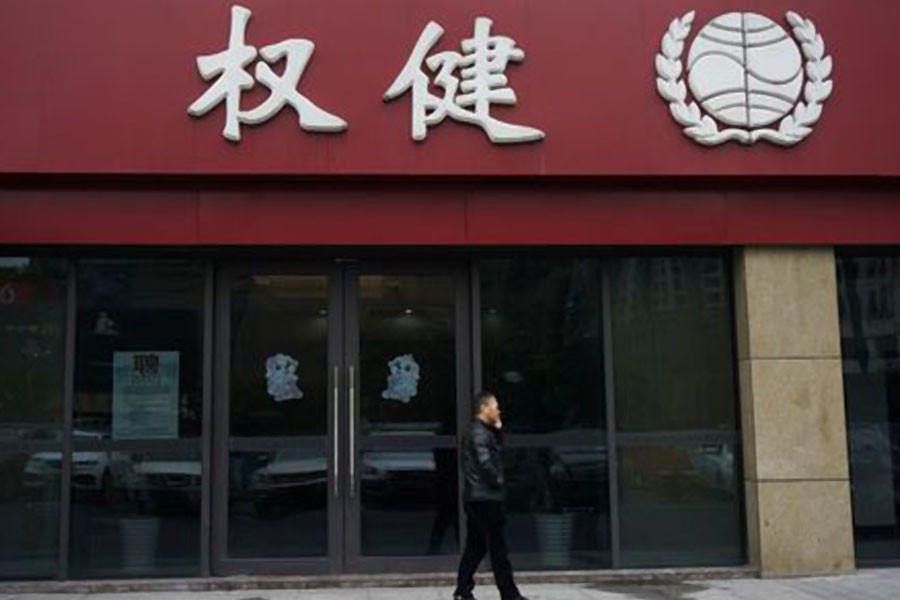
(97, 216)
(451, 214)
(331, 217)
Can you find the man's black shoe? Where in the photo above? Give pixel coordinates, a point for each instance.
(458, 597)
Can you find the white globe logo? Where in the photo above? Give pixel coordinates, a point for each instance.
(747, 73)
(745, 70)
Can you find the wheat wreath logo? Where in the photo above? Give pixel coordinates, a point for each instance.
(748, 74)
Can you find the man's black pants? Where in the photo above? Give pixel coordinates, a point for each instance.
(485, 521)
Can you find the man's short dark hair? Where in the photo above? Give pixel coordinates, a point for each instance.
(481, 400)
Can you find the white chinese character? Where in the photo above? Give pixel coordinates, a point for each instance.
(482, 66)
(228, 66)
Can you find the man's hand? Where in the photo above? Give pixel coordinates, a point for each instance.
(498, 424)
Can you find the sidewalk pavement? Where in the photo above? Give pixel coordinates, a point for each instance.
(869, 584)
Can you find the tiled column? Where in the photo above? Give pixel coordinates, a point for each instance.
(792, 408)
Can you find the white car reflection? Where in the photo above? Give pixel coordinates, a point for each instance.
(293, 475)
(91, 470)
(160, 479)
(395, 479)
(380, 465)
(300, 476)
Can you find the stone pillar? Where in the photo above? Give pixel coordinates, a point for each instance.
(799, 519)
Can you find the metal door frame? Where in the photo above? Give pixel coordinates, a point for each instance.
(221, 563)
(344, 516)
(355, 561)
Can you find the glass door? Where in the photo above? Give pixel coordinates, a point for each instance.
(277, 484)
(339, 397)
(408, 364)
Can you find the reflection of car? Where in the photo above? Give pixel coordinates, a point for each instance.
(291, 475)
(91, 470)
(564, 470)
(380, 465)
(407, 477)
(160, 479)
(874, 467)
(578, 475)
(714, 465)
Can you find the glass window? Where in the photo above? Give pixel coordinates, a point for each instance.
(32, 350)
(278, 503)
(409, 502)
(138, 393)
(278, 499)
(279, 356)
(139, 319)
(32, 333)
(869, 304)
(407, 414)
(407, 340)
(542, 354)
(676, 412)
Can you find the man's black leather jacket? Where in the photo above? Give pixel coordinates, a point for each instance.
(482, 464)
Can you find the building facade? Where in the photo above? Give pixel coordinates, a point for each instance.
(256, 258)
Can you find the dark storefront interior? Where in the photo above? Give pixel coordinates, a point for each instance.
(616, 375)
(869, 304)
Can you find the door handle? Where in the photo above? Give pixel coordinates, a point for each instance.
(336, 456)
(352, 390)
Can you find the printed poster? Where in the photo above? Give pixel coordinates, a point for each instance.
(145, 395)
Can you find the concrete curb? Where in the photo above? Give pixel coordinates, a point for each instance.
(245, 582)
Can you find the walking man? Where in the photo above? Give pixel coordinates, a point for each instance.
(483, 492)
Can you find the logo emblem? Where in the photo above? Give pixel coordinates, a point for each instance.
(753, 81)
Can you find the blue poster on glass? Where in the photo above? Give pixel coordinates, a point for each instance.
(145, 395)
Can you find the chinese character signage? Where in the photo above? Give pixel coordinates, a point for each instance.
(227, 68)
(471, 82)
(743, 69)
(450, 88)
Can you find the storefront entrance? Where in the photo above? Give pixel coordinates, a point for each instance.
(222, 417)
(339, 395)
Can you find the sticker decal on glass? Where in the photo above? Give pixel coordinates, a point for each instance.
(281, 378)
(403, 382)
(105, 325)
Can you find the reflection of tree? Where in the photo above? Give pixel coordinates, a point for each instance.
(542, 348)
(672, 344)
(31, 342)
(868, 295)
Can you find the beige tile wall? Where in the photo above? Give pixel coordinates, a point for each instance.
(799, 519)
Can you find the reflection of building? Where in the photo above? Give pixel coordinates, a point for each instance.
(868, 301)
(869, 298)
(670, 285)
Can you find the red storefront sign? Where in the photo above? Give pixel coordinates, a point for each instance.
(104, 87)
(96, 107)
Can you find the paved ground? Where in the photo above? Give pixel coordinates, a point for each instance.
(877, 584)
